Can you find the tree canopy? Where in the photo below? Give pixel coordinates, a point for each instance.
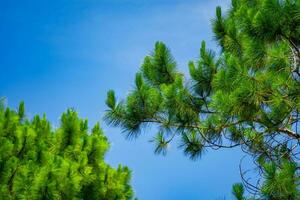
(248, 95)
(39, 162)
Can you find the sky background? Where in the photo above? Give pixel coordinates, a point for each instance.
(63, 54)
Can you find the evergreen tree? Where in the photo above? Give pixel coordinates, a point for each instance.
(248, 95)
(38, 162)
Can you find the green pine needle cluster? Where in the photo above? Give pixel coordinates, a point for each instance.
(38, 162)
(248, 95)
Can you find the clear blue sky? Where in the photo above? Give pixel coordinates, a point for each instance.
(67, 53)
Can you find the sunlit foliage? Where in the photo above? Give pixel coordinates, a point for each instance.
(247, 95)
(38, 162)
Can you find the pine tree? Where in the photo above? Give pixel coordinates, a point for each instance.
(248, 95)
(38, 162)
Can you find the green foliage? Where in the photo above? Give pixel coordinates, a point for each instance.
(280, 183)
(238, 191)
(159, 67)
(21, 111)
(248, 96)
(38, 162)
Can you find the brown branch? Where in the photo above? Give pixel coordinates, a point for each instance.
(249, 186)
(217, 146)
(289, 132)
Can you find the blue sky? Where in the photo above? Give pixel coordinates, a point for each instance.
(67, 53)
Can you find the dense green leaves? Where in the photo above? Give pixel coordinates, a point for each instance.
(247, 96)
(280, 183)
(159, 67)
(238, 191)
(38, 162)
